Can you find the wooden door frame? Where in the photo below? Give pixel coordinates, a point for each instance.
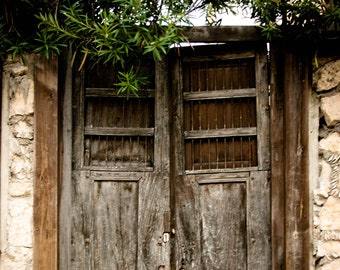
(290, 92)
(290, 85)
(46, 167)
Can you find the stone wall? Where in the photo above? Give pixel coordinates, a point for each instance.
(326, 203)
(17, 164)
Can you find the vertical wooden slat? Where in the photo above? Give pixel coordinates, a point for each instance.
(277, 159)
(46, 164)
(155, 197)
(162, 115)
(262, 110)
(306, 90)
(65, 186)
(290, 192)
(296, 84)
(258, 221)
(81, 218)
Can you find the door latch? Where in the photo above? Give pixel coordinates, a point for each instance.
(166, 237)
(166, 227)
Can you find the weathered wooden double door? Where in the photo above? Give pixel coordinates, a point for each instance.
(179, 177)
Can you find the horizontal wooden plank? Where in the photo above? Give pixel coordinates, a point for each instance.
(227, 170)
(112, 92)
(223, 33)
(220, 94)
(221, 181)
(117, 179)
(237, 177)
(218, 133)
(125, 168)
(229, 56)
(112, 131)
(223, 176)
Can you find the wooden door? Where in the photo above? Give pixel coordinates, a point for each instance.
(190, 191)
(221, 188)
(120, 176)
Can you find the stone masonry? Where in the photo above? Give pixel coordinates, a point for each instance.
(326, 203)
(17, 165)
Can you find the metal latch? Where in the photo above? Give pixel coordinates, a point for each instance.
(166, 226)
(166, 237)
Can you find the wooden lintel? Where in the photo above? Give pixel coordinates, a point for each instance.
(223, 34)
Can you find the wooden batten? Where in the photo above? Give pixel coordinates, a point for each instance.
(65, 156)
(223, 34)
(296, 86)
(45, 215)
(277, 159)
(290, 83)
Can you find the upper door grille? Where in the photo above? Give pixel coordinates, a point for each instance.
(118, 131)
(219, 112)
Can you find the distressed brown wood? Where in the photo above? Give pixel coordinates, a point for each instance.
(297, 84)
(223, 229)
(249, 92)
(277, 159)
(116, 248)
(89, 190)
(221, 218)
(230, 132)
(226, 56)
(45, 216)
(119, 205)
(223, 33)
(119, 131)
(263, 110)
(290, 196)
(65, 183)
(258, 221)
(111, 92)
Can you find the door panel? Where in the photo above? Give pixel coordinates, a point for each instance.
(223, 221)
(223, 229)
(115, 201)
(120, 183)
(100, 242)
(221, 207)
(210, 225)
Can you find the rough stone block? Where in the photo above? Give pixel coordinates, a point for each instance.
(321, 193)
(333, 265)
(330, 215)
(330, 109)
(327, 77)
(18, 258)
(20, 189)
(20, 220)
(330, 144)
